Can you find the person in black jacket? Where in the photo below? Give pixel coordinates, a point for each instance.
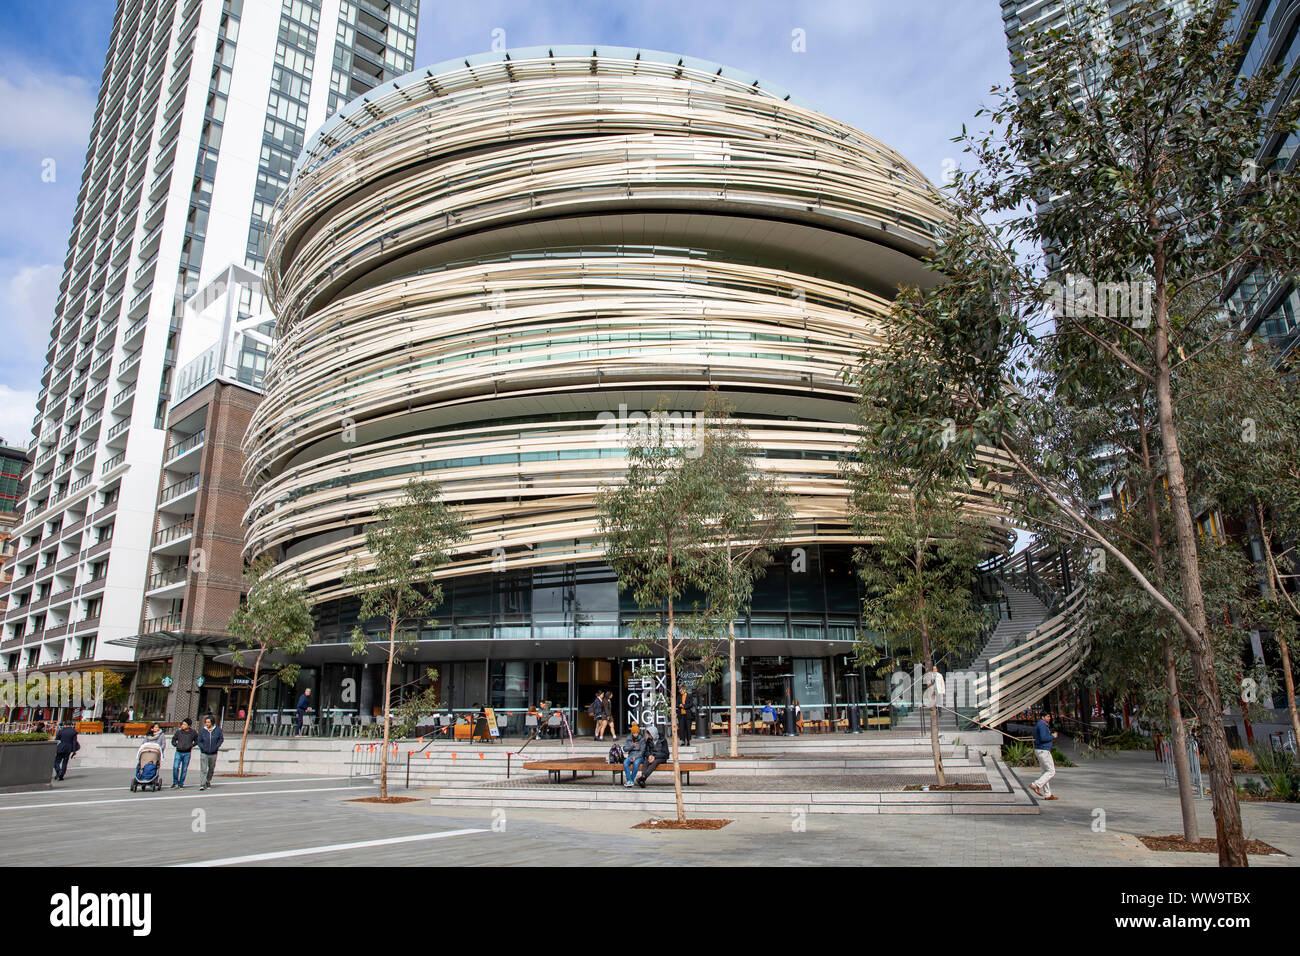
(210, 740)
(183, 741)
(657, 754)
(67, 746)
(685, 717)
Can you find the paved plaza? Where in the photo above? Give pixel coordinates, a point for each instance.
(92, 819)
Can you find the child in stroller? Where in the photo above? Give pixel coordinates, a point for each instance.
(148, 761)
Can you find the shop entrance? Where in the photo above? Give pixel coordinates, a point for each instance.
(595, 675)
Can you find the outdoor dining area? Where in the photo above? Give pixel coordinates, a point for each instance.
(333, 722)
(874, 715)
(342, 722)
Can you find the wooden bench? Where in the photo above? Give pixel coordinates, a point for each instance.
(592, 766)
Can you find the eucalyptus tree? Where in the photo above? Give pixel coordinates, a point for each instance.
(749, 521)
(1243, 424)
(659, 526)
(1132, 164)
(274, 618)
(919, 569)
(406, 544)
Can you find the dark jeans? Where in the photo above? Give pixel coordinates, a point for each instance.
(180, 767)
(61, 765)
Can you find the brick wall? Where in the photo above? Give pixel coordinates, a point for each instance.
(213, 593)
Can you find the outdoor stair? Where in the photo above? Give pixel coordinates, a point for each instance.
(1027, 613)
(796, 791)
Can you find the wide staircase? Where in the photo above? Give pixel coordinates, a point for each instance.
(1025, 613)
(1022, 664)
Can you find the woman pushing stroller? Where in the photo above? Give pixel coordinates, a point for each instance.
(148, 760)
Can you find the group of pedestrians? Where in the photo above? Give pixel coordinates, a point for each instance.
(601, 710)
(208, 739)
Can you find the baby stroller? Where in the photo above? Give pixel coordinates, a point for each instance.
(148, 764)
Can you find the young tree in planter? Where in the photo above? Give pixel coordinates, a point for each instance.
(1140, 182)
(274, 618)
(658, 526)
(406, 544)
(918, 571)
(752, 519)
(414, 707)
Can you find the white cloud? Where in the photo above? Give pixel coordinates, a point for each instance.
(27, 307)
(17, 409)
(43, 112)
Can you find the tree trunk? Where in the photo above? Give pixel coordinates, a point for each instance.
(672, 715)
(388, 701)
(1173, 705)
(1289, 681)
(1209, 705)
(733, 730)
(1178, 731)
(248, 717)
(927, 662)
(934, 710)
(1276, 585)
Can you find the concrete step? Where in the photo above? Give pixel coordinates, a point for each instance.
(1007, 796)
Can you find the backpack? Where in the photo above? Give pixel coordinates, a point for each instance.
(616, 755)
(596, 708)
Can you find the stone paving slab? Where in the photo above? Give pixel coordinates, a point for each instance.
(72, 825)
(741, 783)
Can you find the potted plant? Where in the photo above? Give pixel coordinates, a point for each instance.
(26, 761)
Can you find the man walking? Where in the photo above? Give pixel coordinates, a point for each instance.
(183, 742)
(67, 746)
(210, 740)
(304, 705)
(1044, 737)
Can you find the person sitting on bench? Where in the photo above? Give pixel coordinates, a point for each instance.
(633, 755)
(656, 754)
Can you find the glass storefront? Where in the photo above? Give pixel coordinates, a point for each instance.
(807, 594)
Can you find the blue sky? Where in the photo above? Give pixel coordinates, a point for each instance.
(909, 72)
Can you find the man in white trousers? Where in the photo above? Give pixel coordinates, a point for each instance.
(1044, 737)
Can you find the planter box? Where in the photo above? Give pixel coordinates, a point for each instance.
(27, 766)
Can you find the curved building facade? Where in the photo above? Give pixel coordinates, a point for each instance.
(483, 271)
